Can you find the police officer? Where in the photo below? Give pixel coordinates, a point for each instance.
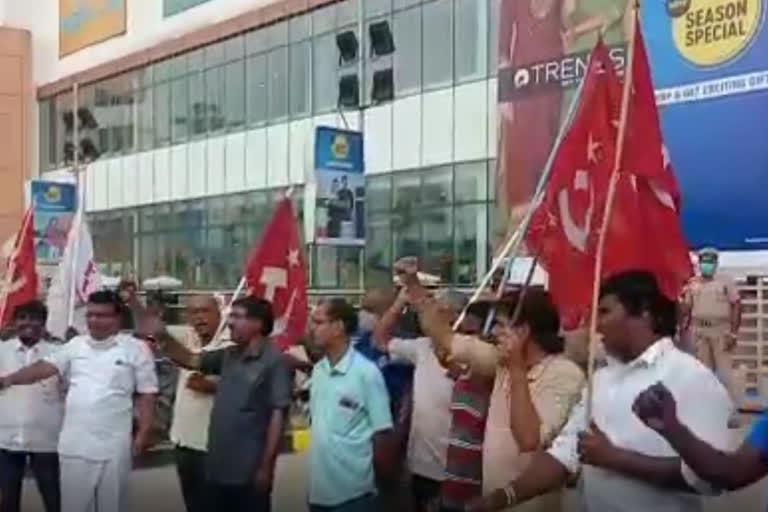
(713, 308)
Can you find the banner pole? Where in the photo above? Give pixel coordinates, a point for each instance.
(80, 206)
(625, 96)
(228, 308)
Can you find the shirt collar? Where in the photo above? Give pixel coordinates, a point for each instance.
(652, 354)
(20, 347)
(256, 351)
(343, 365)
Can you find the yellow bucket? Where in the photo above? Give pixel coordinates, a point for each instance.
(300, 440)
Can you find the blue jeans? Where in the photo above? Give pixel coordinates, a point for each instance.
(365, 503)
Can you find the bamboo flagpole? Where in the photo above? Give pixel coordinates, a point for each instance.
(514, 242)
(609, 202)
(80, 205)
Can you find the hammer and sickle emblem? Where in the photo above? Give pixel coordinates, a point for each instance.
(577, 235)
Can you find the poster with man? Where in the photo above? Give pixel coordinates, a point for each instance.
(54, 210)
(709, 65)
(340, 179)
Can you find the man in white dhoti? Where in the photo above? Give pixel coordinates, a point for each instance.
(103, 370)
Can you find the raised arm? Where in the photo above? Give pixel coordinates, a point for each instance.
(382, 333)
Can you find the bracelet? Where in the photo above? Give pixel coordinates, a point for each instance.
(510, 495)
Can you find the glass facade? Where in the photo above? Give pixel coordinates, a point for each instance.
(287, 71)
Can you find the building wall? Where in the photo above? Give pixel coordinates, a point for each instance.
(15, 95)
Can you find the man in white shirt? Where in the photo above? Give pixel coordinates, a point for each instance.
(626, 466)
(103, 370)
(432, 395)
(194, 399)
(30, 416)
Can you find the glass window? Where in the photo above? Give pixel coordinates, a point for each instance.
(278, 83)
(437, 187)
(347, 12)
(300, 28)
(471, 182)
(470, 233)
(144, 118)
(407, 191)
(235, 94)
(256, 87)
(378, 194)
(63, 126)
(215, 84)
(299, 78)
(438, 43)
(197, 110)
(375, 8)
(162, 114)
(378, 248)
(44, 120)
(406, 235)
(324, 19)
(324, 71)
(471, 39)
(437, 249)
(179, 112)
(407, 35)
(148, 261)
(493, 36)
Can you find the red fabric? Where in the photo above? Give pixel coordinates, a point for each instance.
(563, 231)
(20, 283)
(275, 271)
(645, 229)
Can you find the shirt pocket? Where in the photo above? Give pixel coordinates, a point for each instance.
(346, 414)
(52, 392)
(121, 375)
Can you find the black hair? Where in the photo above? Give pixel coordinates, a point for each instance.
(539, 313)
(479, 309)
(638, 291)
(107, 297)
(258, 309)
(339, 310)
(33, 309)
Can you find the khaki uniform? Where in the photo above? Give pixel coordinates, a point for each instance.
(710, 302)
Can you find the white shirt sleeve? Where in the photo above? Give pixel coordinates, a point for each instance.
(708, 422)
(565, 446)
(401, 349)
(62, 357)
(144, 368)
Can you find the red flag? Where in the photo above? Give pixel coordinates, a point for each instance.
(644, 230)
(19, 284)
(563, 231)
(274, 270)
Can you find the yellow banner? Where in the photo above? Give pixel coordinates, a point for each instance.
(83, 23)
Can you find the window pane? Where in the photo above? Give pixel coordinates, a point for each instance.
(256, 87)
(325, 83)
(493, 36)
(378, 194)
(44, 128)
(179, 114)
(378, 265)
(470, 232)
(437, 188)
(437, 251)
(235, 94)
(471, 182)
(198, 122)
(471, 39)
(406, 235)
(278, 83)
(214, 98)
(407, 35)
(162, 114)
(407, 192)
(438, 43)
(299, 78)
(144, 121)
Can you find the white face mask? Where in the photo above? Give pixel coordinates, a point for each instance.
(366, 321)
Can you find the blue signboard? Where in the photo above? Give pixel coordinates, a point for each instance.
(55, 205)
(709, 60)
(340, 179)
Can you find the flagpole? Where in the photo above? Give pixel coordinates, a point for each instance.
(80, 205)
(625, 96)
(513, 243)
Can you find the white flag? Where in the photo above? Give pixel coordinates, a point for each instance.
(77, 258)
